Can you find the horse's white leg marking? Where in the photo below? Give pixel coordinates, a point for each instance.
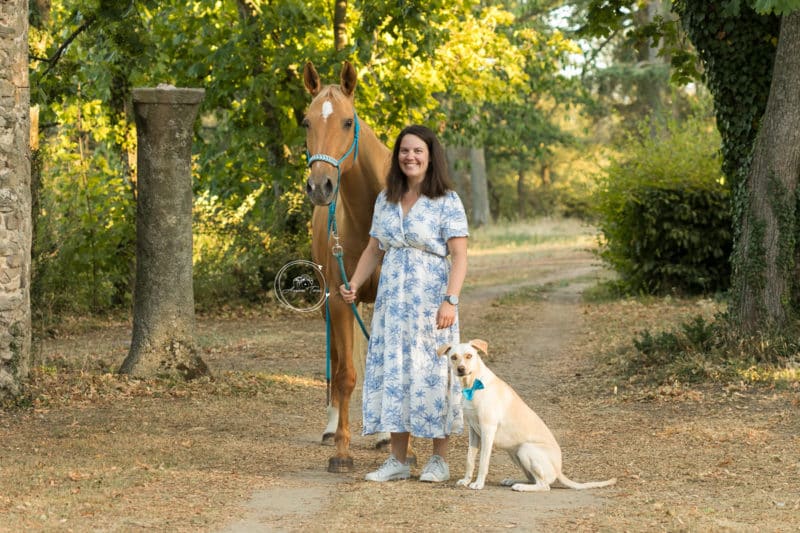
(333, 420)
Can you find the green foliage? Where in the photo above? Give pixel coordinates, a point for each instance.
(521, 132)
(522, 196)
(778, 7)
(677, 355)
(737, 50)
(236, 260)
(701, 350)
(85, 232)
(663, 212)
(454, 66)
(641, 47)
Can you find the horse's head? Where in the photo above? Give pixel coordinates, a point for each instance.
(331, 132)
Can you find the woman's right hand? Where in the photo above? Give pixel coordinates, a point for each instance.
(348, 295)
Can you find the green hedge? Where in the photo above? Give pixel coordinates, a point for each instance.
(664, 215)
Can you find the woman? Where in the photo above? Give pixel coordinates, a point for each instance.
(418, 221)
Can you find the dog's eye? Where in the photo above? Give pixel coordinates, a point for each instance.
(453, 357)
(468, 356)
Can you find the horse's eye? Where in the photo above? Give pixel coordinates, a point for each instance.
(348, 123)
(305, 123)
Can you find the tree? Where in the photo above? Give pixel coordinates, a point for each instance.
(755, 82)
(522, 130)
(251, 215)
(748, 51)
(15, 201)
(480, 187)
(340, 25)
(766, 255)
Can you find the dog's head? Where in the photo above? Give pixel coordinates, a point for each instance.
(464, 357)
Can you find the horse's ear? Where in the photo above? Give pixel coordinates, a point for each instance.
(480, 344)
(311, 79)
(349, 78)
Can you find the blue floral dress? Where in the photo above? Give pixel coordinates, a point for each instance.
(407, 387)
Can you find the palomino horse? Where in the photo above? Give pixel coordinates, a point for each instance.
(348, 169)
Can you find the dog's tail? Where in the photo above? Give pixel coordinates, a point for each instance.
(567, 482)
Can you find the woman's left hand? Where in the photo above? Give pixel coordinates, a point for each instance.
(446, 315)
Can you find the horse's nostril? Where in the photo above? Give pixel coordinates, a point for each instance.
(328, 187)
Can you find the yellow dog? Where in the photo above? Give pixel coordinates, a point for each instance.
(497, 416)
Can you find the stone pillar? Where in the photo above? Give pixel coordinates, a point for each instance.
(15, 199)
(163, 298)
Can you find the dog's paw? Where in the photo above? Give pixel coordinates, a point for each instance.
(477, 485)
(463, 482)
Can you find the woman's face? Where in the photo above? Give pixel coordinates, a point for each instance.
(413, 158)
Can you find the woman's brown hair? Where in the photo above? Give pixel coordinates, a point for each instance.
(437, 180)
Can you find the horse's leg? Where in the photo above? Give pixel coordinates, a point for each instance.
(332, 410)
(343, 381)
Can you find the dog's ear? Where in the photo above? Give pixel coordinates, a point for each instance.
(443, 349)
(480, 344)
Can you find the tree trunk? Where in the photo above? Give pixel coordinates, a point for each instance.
(248, 16)
(460, 176)
(340, 25)
(764, 258)
(652, 86)
(163, 308)
(480, 188)
(15, 200)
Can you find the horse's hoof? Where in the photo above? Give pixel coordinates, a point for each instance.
(340, 465)
(327, 438)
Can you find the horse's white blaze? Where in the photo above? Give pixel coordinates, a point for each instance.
(327, 109)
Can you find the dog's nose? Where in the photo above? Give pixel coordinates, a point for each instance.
(461, 370)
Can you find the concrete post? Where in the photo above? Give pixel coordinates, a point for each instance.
(163, 299)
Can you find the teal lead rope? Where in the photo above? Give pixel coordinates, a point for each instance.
(338, 254)
(337, 249)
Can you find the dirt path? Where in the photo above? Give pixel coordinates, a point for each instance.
(95, 451)
(527, 351)
(704, 458)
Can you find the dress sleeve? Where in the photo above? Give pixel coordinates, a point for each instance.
(454, 218)
(375, 228)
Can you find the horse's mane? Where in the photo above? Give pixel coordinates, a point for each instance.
(333, 92)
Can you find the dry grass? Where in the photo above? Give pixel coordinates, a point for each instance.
(94, 451)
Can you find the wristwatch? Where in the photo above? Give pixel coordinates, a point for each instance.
(451, 299)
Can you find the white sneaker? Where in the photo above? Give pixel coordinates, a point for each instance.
(436, 470)
(390, 470)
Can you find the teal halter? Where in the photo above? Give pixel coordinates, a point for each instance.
(336, 163)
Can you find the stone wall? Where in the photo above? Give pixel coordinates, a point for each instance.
(15, 198)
